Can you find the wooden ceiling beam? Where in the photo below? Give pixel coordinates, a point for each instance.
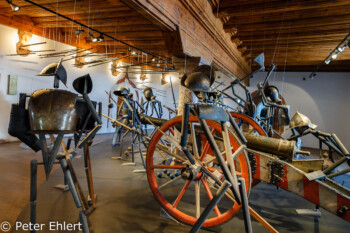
(296, 42)
(108, 22)
(131, 35)
(92, 17)
(341, 32)
(34, 11)
(117, 29)
(191, 28)
(248, 8)
(293, 24)
(286, 16)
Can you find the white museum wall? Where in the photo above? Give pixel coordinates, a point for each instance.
(324, 99)
(26, 68)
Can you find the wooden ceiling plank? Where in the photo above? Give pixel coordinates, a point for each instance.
(296, 23)
(276, 6)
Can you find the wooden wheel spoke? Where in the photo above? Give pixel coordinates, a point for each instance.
(206, 148)
(204, 152)
(183, 190)
(198, 202)
(210, 195)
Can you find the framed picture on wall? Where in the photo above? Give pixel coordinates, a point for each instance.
(12, 85)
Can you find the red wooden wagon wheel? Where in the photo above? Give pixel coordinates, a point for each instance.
(182, 197)
(248, 124)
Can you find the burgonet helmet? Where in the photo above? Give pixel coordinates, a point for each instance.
(300, 121)
(148, 93)
(122, 91)
(57, 70)
(200, 79)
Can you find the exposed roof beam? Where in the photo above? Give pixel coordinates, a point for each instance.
(292, 24)
(274, 7)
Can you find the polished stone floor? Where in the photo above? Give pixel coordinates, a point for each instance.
(125, 202)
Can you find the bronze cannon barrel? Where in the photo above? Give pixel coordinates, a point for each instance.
(274, 146)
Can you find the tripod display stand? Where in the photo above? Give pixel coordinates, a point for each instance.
(130, 118)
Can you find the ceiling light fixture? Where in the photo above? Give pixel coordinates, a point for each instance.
(93, 39)
(100, 38)
(332, 55)
(14, 7)
(79, 31)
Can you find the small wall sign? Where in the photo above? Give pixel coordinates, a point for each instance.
(12, 85)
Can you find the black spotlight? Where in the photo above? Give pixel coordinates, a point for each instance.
(100, 38)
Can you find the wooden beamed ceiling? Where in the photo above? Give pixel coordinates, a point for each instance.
(296, 35)
(179, 28)
(111, 17)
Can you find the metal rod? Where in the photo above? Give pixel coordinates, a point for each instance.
(217, 197)
(340, 144)
(84, 222)
(184, 126)
(245, 206)
(70, 182)
(33, 191)
(338, 173)
(172, 91)
(237, 129)
(336, 164)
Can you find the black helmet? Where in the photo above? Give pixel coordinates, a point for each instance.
(273, 93)
(200, 79)
(122, 91)
(148, 93)
(83, 84)
(57, 70)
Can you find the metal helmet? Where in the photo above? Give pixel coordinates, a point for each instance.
(52, 111)
(273, 93)
(57, 70)
(148, 93)
(300, 120)
(83, 84)
(122, 91)
(200, 79)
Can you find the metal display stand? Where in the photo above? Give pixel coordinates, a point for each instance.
(49, 157)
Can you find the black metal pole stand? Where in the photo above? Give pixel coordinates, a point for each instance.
(33, 191)
(77, 195)
(216, 199)
(245, 206)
